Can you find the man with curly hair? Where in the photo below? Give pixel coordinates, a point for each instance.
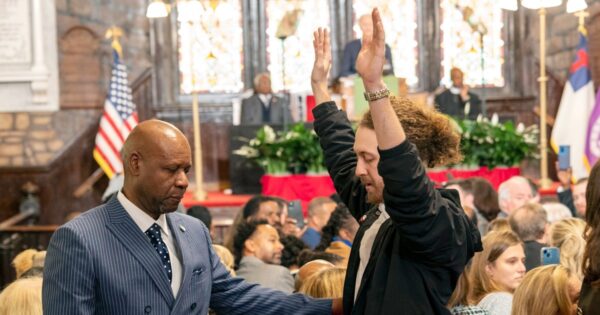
(414, 240)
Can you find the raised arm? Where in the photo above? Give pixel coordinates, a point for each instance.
(369, 64)
(335, 132)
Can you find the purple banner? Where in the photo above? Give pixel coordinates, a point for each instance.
(592, 140)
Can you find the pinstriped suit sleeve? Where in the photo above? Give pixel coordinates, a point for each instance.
(68, 286)
(235, 296)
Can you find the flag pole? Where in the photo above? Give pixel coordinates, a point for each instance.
(544, 181)
(199, 193)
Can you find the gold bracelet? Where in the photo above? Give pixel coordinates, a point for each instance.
(377, 95)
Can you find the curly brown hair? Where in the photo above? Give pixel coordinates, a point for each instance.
(437, 141)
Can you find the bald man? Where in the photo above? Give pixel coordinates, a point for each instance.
(134, 255)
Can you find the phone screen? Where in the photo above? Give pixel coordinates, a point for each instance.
(564, 157)
(295, 212)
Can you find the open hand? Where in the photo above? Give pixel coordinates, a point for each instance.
(322, 65)
(371, 58)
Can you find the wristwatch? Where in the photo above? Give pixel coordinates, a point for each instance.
(376, 95)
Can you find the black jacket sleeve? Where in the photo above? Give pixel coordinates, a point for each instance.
(434, 227)
(337, 141)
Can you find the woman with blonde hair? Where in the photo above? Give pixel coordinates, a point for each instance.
(496, 272)
(327, 283)
(23, 297)
(552, 289)
(567, 235)
(28, 259)
(226, 258)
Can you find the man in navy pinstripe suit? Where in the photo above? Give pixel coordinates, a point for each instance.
(134, 255)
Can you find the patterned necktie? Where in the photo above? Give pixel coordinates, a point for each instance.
(161, 248)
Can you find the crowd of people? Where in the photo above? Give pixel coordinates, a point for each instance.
(389, 242)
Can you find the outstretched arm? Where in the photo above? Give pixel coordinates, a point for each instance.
(369, 64)
(321, 67)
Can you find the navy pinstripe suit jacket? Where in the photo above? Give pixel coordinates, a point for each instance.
(102, 263)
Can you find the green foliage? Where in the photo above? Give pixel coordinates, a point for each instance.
(296, 151)
(490, 143)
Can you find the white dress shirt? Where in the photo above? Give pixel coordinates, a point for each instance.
(144, 222)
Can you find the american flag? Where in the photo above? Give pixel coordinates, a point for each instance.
(119, 118)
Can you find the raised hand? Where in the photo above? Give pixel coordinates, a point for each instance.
(322, 65)
(371, 58)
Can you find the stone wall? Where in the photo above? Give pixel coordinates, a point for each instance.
(98, 16)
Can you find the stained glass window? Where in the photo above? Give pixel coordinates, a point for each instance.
(466, 24)
(210, 45)
(300, 18)
(400, 24)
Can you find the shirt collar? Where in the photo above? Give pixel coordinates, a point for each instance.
(141, 218)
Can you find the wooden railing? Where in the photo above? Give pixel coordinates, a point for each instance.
(15, 238)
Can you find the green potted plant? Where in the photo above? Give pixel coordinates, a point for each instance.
(296, 151)
(494, 144)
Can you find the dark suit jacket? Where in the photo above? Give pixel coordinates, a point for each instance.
(452, 105)
(102, 263)
(533, 254)
(252, 111)
(351, 52)
(566, 198)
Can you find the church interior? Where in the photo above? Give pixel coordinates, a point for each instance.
(74, 73)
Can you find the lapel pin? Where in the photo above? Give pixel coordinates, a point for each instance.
(182, 228)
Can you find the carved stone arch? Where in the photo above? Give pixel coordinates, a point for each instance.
(80, 69)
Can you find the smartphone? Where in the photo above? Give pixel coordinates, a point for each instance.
(564, 157)
(550, 256)
(295, 212)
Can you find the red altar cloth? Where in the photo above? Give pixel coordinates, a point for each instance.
(215, 199)
(301, 186)
(496, 176)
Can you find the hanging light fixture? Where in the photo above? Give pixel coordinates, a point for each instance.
(538, 4)
(510, 5)
(157, 9)
(576, 5)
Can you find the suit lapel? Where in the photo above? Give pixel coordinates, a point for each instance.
(136, 242)
(178, 230)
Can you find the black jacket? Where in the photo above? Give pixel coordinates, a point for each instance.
(589, 298)
(418, 253)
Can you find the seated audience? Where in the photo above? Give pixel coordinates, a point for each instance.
(307, 256)
(327, 283)
(567, 235)
(465, 193)
(226, 258)
(572, 196)
(546, 290)
(589, 300)
(309, 269)
(292, 246)
(531, 225)
(512, 194)
(556, 211)
(339, 233)
(458, 303)
(485, 202)
(319, 211)
(257, 252)
(22, 297)
(499, 225)
(496, 272)
(259, 207)
(203, 214)
(28, 259)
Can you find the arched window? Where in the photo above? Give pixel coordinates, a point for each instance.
(210, 46)
(400, 24)
(294, 20)
(466, 25)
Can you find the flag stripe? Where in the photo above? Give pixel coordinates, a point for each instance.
(117, 121)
